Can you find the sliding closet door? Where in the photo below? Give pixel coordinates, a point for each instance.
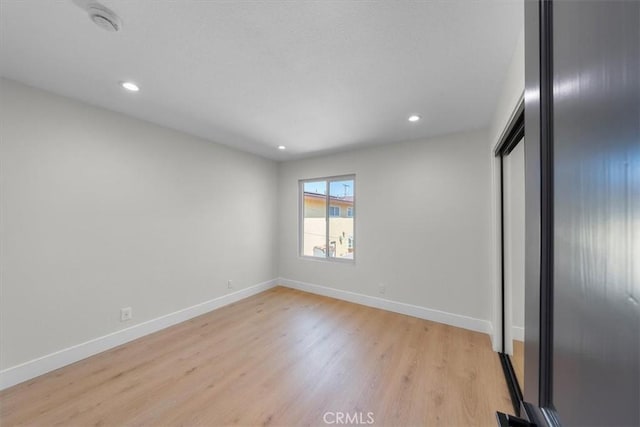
(514, 235)
(596, 264)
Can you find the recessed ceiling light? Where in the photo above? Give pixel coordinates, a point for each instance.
(281, 147)
(130, 86)
(414, 118)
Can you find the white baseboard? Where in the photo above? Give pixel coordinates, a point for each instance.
(517, 333)
(465, 322)
(33, 368)
(496, 344)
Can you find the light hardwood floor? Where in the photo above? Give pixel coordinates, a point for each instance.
(282, 357)
(518, 361)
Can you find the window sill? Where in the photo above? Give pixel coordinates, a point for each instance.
(328, 260)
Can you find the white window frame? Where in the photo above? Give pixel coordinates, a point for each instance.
(334, 207)
(328, 180)
(350, 211)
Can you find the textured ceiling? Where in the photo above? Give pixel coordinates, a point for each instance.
(316, 76)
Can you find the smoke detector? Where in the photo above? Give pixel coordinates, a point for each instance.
(100, 15)
(104, 18)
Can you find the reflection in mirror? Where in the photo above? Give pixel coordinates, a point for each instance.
(514, 229)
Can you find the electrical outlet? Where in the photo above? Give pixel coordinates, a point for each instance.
(382, 288)
(126, 313)
(229, 284)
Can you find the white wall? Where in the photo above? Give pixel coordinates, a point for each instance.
(423, 223)
(101, 211)
(512, 91)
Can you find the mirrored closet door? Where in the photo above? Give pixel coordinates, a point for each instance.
(514, 222)
(510, 153)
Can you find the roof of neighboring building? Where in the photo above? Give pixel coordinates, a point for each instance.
(346, 199)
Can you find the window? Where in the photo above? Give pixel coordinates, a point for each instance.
(327, 223)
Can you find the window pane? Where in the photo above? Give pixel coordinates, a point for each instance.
(341, 211)
(314, 215)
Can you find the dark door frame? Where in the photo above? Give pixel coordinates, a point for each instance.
(537, 404)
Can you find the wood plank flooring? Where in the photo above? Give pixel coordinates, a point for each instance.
(518, 361)
(282, 357)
